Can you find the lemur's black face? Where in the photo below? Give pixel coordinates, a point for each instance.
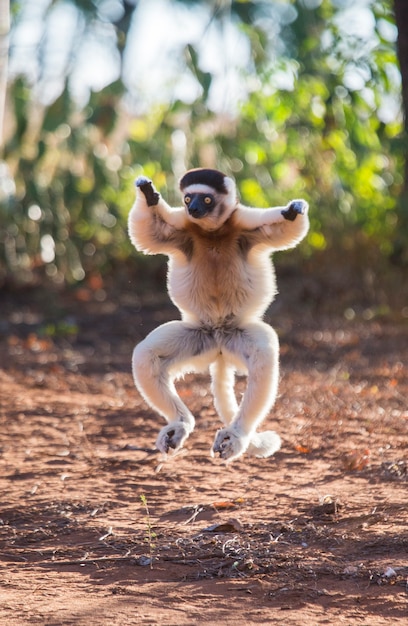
(199, 204)
(209, 198)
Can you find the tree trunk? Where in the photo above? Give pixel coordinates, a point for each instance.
(401, 19)
(400, 253)
(4, 42)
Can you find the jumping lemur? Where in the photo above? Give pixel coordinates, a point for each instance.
(221, 278)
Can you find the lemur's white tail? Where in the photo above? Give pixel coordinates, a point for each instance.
(264, 444)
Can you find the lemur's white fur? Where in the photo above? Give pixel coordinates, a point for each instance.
(221, 278)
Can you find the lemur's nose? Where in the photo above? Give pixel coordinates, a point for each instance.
(197, 208)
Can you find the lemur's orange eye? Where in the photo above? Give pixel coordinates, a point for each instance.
(187, 199)
(208, 199)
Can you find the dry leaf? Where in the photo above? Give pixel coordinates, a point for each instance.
(228, 504)
(302, 449)
(37, 344)
(356, 460)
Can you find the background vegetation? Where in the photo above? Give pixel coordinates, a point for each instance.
(318, 116)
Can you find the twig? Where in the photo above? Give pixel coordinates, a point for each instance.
(135, 559)
(150, 534)
(97, 559)
(197, 511)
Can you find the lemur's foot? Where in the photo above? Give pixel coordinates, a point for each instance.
(295, 208)
(172, 436)
(147, 188)
(230, 444)
(264, 444)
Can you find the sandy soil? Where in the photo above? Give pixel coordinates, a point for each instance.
(96, 528)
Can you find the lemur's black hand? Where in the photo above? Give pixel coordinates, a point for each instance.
(295, 208)
(147, 188)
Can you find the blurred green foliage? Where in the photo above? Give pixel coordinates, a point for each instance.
(66, 182)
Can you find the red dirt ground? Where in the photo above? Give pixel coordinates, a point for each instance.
(95, 528)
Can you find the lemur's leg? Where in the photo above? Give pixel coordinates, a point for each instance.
(255, 345)
(158, 360)
(222, 388)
